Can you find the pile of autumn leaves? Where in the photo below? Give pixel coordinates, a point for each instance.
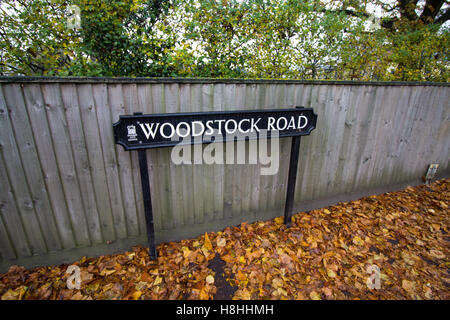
(326, 254)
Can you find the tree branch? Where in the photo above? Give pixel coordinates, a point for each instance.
(407, 9)
(431, 10)
(443, 18)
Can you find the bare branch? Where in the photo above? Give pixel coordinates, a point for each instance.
(443, 18)
(431, 10)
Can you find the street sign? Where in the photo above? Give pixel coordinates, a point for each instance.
(165, 130)
(140, 132)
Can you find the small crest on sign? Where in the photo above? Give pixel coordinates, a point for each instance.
(132, 135)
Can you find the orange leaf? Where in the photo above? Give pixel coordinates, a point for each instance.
(208, 244)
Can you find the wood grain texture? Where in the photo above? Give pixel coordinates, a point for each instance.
(65, 185)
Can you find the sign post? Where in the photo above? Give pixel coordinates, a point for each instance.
(292, 178)
(145, 183)
(140, 132)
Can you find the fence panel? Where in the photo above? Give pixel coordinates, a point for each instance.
(67, 190)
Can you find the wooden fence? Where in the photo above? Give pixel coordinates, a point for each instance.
(66, 190)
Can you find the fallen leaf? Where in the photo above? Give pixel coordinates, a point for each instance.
(210, 279)
(358, 241)
(221, 242)
(203, 294)
(241, 276)
(408, 286)
(10, 295)
(157, 281)
(315, 296)
(437, 254)
(207, 243)
(136, 295)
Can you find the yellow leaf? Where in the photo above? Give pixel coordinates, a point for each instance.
(136, 295)
(208, 244)
(10, 295)
(326, 211)
(205, 251)
(186, 251)
(157, 281)
(315, 296)
(279, 220)
(331, 273)
(343, 245)
(358, 241)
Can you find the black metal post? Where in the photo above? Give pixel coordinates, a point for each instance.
(292, 178)
(145, 183)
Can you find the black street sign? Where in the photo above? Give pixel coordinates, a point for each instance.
(166, 130)
(140, 132)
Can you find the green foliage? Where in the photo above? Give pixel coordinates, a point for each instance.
(116, 38)
(223, 38)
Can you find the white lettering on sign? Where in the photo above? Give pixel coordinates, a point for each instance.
(230, 126)
(148, 130)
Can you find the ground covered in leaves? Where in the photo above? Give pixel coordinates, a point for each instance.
(326, 254)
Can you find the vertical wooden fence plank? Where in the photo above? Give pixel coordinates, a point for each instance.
(175, 216)
(65, 165)
(207, 170)
(81, 160)
(12, 220)
(131, 101)
(198, 189)
(219, 169)
(95, 155)
(17, 173)
(113, 164)
(230, 204)
(6, 245)
(163, 158)
(33, 172)
(187, 169)
(43, 139)
(118, 107)
(252, 104)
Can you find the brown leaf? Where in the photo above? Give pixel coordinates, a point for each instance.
(408, 286)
